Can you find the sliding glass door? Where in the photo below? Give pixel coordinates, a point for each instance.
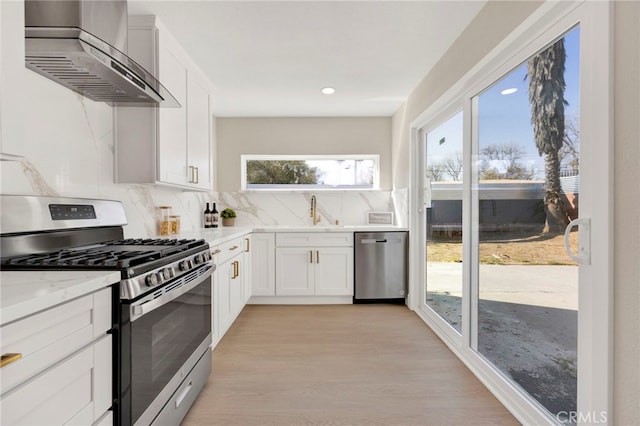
(443, 184)
(526, 190)
(512, 175)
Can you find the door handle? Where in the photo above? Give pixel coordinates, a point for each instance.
(583, 257)
(310, 256)
(236, 270)
(317, 256)
(183, 394)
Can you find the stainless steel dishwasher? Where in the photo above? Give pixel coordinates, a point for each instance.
(381, 273)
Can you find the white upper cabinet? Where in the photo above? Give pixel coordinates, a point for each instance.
(200, 131)
(166, 146)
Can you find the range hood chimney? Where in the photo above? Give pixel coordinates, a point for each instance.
(80, 44)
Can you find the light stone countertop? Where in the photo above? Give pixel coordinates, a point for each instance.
(24, 293)
(221, 235)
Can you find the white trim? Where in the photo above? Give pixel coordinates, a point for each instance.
(550, 20)
(595, 331)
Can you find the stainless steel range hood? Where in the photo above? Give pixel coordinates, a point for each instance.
(80, 44)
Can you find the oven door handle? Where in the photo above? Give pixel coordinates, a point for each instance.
(148, 304)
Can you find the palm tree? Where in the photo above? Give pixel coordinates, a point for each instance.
(546, 96)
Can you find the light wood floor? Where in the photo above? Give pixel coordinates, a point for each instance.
(339, 365)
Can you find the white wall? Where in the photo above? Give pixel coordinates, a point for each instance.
(68, 148)
(493, 23)
(627, 213)
(305, 136)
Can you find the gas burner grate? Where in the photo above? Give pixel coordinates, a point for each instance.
(152, 242)
(84, 258)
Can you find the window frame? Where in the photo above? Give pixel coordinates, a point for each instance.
(244, 158)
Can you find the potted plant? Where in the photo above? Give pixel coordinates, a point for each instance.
(228, 217)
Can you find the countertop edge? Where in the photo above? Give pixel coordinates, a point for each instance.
(25, 293)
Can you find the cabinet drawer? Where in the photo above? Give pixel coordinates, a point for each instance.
(230, 249)
(315, 239)
(45, 338)
(74, 391)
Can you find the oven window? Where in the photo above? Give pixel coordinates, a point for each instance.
(163, 340)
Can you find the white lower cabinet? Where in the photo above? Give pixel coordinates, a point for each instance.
(314, 264)
(63, 374)
(263, 264)
(308, 271)
(229, 285)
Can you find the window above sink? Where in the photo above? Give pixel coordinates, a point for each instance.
(310, 172)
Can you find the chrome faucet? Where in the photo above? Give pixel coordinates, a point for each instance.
(314, 213)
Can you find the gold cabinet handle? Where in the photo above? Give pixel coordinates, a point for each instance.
(317, 256)
(310, 256)
(9, 358)
(233, 248)
(248, 245)
(197, 180)
(236, 270)
(216, 251)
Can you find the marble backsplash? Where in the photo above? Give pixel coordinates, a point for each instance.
(68, 152)
(294, 208)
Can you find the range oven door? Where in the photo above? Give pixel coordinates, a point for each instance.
(163, 335)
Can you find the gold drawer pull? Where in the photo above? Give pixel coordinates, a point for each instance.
(9, 358)
(215, 252)
(233, 248)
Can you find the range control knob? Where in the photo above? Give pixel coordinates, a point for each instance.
(151, 280)
(171, 272)
(206, 256)
(166, 274)
(198, 259)
(185, 265)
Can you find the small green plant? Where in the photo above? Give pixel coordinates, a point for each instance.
(228, 213)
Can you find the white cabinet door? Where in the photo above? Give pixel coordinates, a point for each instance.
(263, 262)
(200, 129)
(294, 271)
(236, 286)
(334, 271)
(247, 268)
(172, 124)
(224, 297)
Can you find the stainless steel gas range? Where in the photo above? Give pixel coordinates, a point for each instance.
(161, 306)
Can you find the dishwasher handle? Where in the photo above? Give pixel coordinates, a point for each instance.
(372, 241)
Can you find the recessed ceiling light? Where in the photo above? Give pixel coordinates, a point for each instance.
(509, 91)
(328, 90)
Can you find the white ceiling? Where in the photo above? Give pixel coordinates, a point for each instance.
(269, 59)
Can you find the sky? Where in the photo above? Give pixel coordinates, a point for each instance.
(506, 118)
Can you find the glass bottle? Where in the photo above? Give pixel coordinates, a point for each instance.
(214, 217)
(207, 217)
